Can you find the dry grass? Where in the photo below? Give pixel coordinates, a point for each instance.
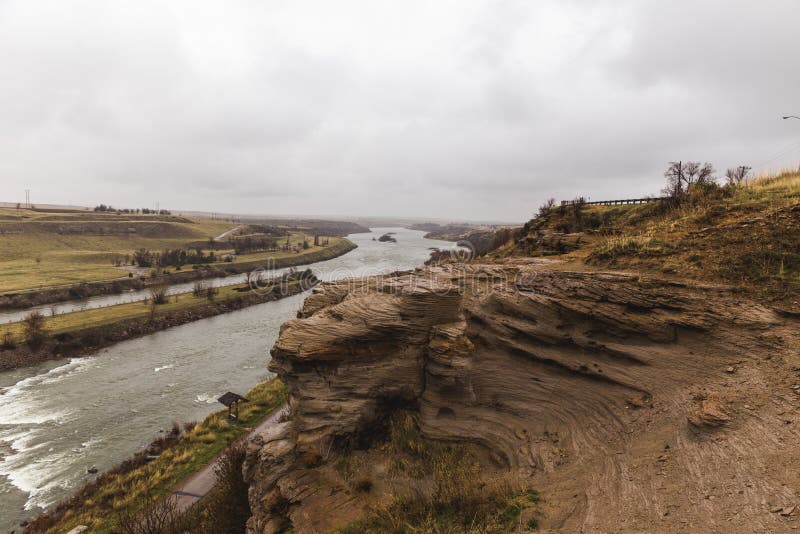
(225, 509)
(615, 246)
(40, 257)
(747, 236)
(440, 488)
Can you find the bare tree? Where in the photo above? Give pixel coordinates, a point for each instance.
(158, 293)
(33, 329)
(705, 174)
(690, 171)
(547, 206)
(736, 176)
(211, 292)
(675, 179)
(682, 176)
(200, 288)
(157, 515)
(226, 507)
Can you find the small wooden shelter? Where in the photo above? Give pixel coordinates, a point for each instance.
(232, 400)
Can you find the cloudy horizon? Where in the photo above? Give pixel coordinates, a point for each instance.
(461, 110)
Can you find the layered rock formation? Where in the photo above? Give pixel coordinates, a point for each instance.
(632, 404)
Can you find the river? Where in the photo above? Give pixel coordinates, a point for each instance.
(62, 417)
(132, 295)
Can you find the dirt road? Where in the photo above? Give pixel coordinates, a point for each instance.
(224, 234)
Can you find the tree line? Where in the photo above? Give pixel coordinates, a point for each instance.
(684, 176)
(173, 257)
(102, 208)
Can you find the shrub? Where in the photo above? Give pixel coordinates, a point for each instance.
(8, 342)
(33, 329)
(545, 208)
(199, 288)
(226, 508)
(143, 258)
(211, 292)
(450, 496)
(158, 293)
(158, 515)
(363, 485)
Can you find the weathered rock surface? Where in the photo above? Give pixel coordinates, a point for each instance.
(580, 381)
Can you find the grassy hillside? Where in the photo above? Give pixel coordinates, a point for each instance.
(44, 249)
(747, 236)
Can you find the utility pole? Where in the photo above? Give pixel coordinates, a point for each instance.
(28, 198)
(680, 176)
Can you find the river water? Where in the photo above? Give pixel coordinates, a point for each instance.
(102, 301)
(62, 417)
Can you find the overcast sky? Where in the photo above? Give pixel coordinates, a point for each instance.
(462, 109)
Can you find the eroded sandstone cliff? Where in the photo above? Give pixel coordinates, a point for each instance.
(632, 404)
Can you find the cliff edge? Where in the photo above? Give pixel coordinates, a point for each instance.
(629, 403)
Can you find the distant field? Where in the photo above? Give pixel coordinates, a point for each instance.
(42, 249)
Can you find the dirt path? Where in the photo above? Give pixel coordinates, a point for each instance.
(199, 484)
(224, 234)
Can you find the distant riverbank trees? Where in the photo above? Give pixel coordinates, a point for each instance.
(254, 243)
(249, 244)
(172, 257)
(102, 208)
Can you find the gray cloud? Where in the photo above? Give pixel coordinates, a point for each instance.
(459, 109)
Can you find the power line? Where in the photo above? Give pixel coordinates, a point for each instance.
(786, 150)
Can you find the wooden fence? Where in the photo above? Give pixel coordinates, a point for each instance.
(612, 202)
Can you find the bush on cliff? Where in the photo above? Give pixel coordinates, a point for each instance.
(444, 491)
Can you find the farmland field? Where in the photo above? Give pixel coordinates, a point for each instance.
(43, 249)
